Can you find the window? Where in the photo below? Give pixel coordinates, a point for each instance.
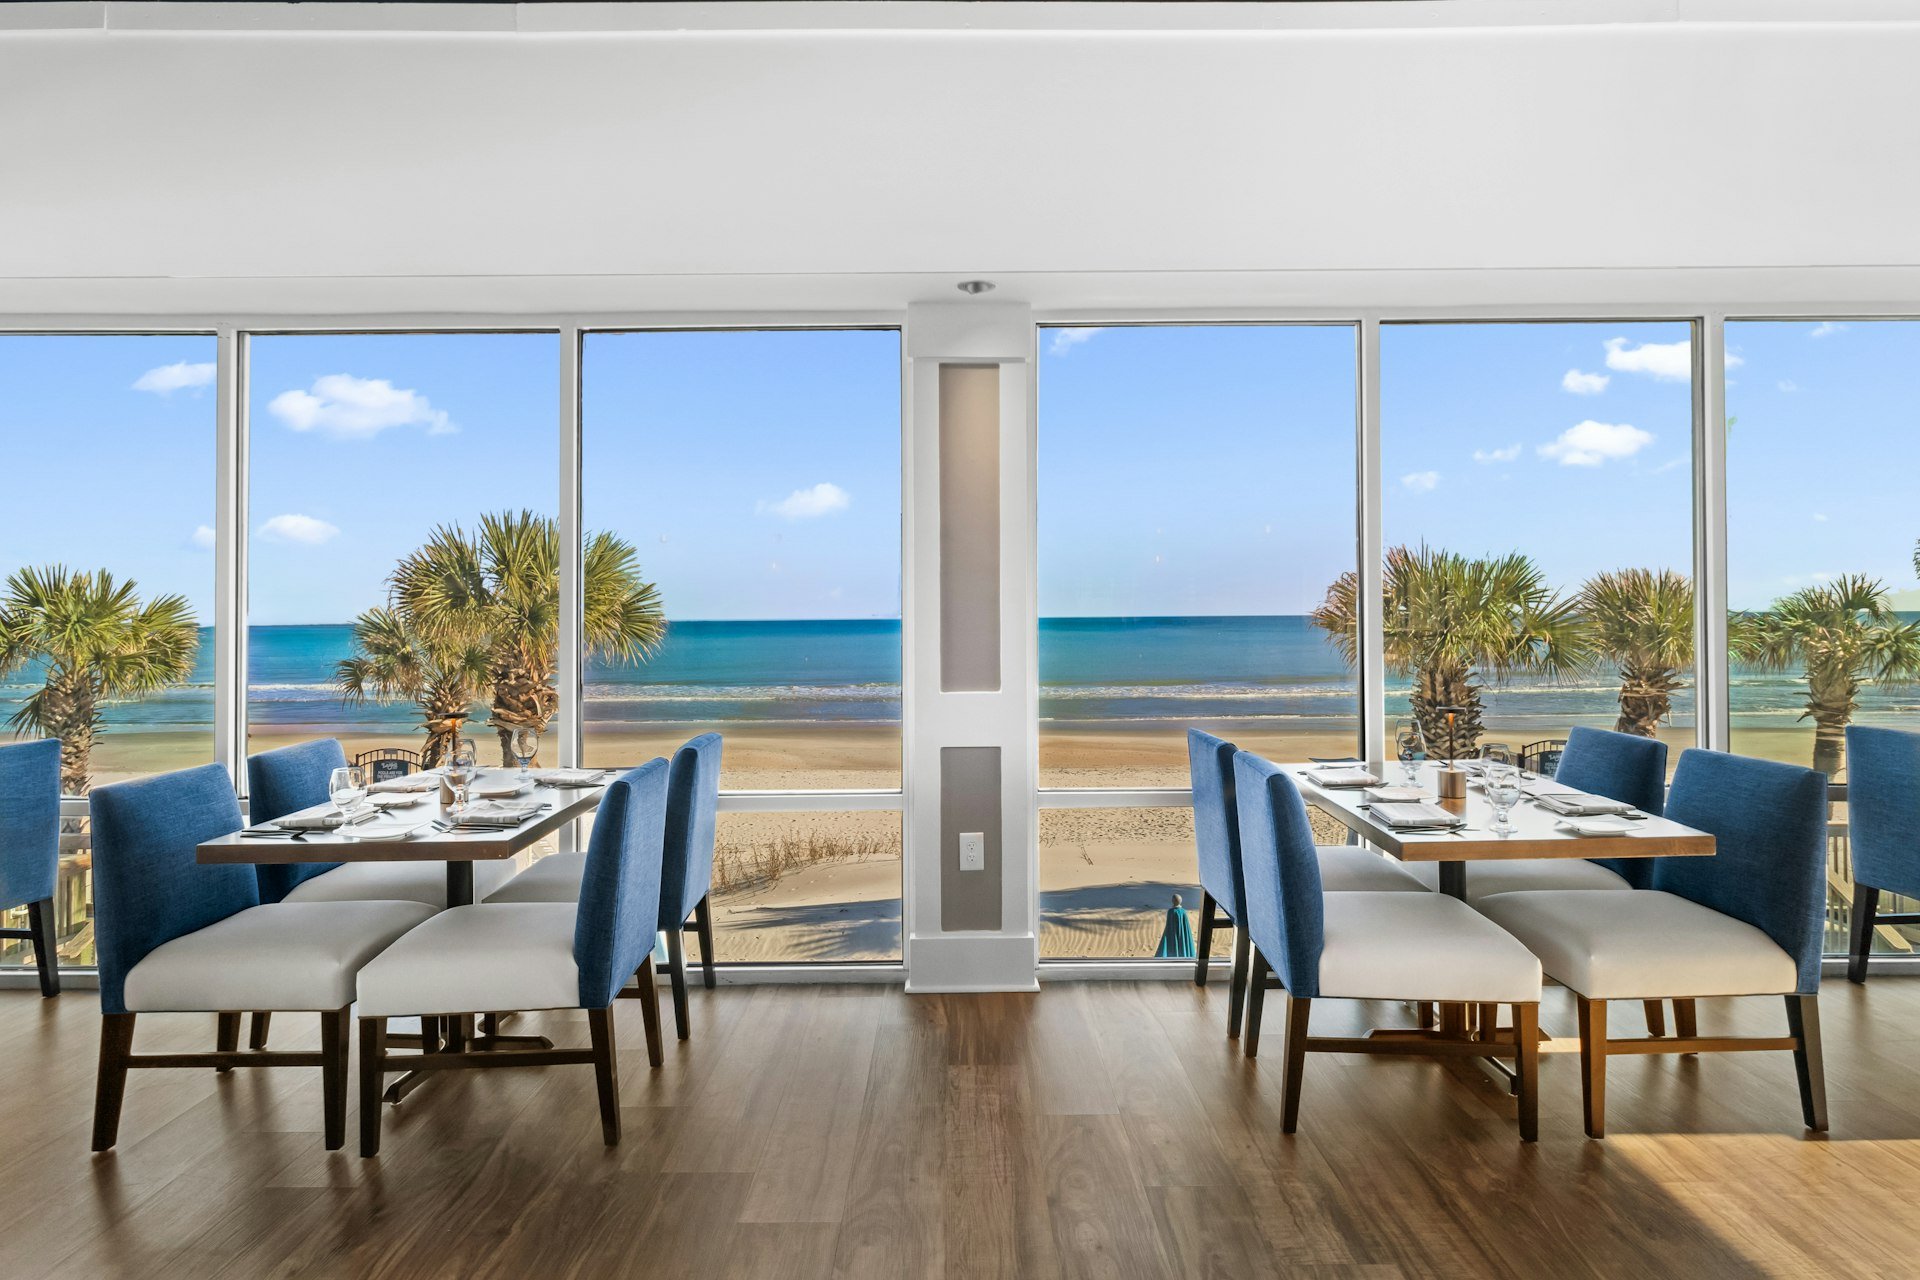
(110, 517)
(403, 588)
(1537, 517)
(756, 475)
(1196, 496)
(1821, 537)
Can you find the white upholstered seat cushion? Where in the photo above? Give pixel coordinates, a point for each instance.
(1520, 875)
(283, 956)
(1420, 946)
(398, 881)
(493, 956)
(1638, 944)
(1353, 868)
(555, 878)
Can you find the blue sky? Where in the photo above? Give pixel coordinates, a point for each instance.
(1182, 470)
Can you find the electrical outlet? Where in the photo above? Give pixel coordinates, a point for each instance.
(973, 851)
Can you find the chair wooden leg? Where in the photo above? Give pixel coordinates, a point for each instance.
(110, 1087)
(373, 1053)
(1656, 1017)
(257, 1033)
(1803, 1020)
(1686, 1022)
(1237, 989)
(650, 1012)
(1256, 1001)
(703, 925)
(606, 1072)
(1298, 1008)
(1866, 903)
(1203, 945)
(336, 1029)
(227, 1038)
(1423, 1014)
(677, 974)
(1526, 1034)
(1593, 1065)
(46, 956)
(1489, 1021)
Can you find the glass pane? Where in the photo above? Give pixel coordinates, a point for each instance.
(1196, 496)
(110, 441)
(1820, 548)
(403, 585)
(758, 475)
(1538, 519)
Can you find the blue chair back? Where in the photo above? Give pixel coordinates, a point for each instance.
(286, 781)
(620, 888)
(693, 802)
(29, 821)
(1769, 867)
(1623, 767)
(1284, 913)
(1216, 823)
(1883, 808)
(147, 887)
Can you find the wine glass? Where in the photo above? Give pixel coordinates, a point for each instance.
(462, 765)
(1410, 746)
(526, 745)
(347, 786)
(1502, 778)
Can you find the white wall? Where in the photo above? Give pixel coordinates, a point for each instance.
(180, 169)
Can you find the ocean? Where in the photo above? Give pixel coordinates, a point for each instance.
(1092, 670)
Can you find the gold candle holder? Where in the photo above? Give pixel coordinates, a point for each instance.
(1451, 783)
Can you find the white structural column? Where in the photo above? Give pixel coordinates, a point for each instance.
(1373, 640)
(1713, 707)
(572, 651)
(230, 555)
(971, 752)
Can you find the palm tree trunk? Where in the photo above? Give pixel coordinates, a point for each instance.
(1447, 684)
(523, 698)
(1646, 698)
(1832, 697)
(73, 716)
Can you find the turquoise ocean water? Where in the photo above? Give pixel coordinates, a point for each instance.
(1141, 670)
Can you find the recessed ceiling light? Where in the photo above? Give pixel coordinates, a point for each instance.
(976, 286)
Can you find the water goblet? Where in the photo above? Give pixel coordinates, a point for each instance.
(1410, 746)
(526, 745)
(462, 764)
(347, 787)
(1503, 793)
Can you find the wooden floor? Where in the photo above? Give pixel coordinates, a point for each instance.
(1091, 1130)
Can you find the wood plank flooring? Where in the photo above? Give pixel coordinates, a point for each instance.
(1092, 1130)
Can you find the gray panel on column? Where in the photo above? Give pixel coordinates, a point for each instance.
(969, 801)
(969, 528)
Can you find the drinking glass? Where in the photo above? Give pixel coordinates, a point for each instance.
(462, 764)
(347, 786)
(1503, 792)
(1410, 746)
(526, 745)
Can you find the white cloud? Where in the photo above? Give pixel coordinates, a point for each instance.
(294, 527)
(1671, 464)
(1667, 361)
(1590, 443)
(169, 378)
(1421, 481)
(804, 504)
(1788, 387)
(1507, 454)
(203, 537)
(1826, 329)
(1065, 340)
(1818, 518)
(1584, 384)
(351, 408)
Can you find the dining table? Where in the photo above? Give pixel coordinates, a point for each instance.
(1536, 832)
(427, 830)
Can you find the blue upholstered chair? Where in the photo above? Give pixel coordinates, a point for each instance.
(1367, 946)
(176, 936)
(693, 800)
(534, 955)
(1883, 831)
(290, 779)
(1746, 921)
(1216, 833)
(30, 847)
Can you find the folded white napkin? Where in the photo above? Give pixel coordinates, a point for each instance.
(502, 788)
(310, 820)
(570, 777)
(497, 815)
(408, 783)
(397, 801)
(1395, 795)
(1342, 777)
(1601, 825)
(1417, 817)
(1578, 804)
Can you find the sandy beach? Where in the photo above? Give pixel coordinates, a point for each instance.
(826, 886)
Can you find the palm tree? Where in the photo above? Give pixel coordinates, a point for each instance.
(391, 661)
(1842, 633)
(501, 589)
(1641, 622)
(95, 642)
(1453, 622)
